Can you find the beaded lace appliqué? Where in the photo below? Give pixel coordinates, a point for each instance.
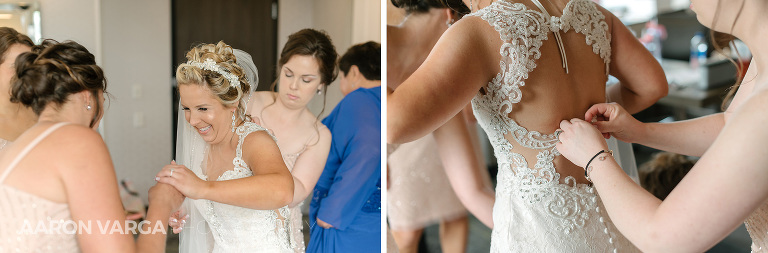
(523, 31)
(237, 228)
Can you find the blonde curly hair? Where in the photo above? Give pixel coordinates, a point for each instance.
(228, 94)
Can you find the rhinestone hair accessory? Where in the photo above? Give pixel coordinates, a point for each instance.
(211, 65)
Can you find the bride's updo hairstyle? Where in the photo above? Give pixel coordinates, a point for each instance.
(228, 91)
(421, 6)
(52, 72)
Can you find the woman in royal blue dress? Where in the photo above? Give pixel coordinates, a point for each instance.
(345, 213)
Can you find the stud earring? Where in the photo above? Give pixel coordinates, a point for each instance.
(233, 121)
(319, 91)
(449, 23)
(88, 107)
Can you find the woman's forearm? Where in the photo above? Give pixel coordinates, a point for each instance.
(461, 166)
(690, 137)
(154, 241)
(631, 207)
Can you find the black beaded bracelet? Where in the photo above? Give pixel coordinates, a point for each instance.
(586, 168)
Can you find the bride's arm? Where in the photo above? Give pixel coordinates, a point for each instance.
(722, 189)
(641, 78)
(309, 166)
(460, 63)
(270, 187)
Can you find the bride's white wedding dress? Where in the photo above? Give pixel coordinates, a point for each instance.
(217, 227)
(534, 211)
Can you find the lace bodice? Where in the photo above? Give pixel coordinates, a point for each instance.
(534, 211)
(239, 229)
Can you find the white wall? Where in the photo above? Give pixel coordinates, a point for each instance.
(366, 25)
(76, 20)
(132, 43)
(136, 38)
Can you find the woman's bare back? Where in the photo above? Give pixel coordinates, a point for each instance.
(549, 94)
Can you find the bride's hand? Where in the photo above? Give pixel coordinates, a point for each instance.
(612, 120)
(579, 141)
(183, 180)
(177, 221)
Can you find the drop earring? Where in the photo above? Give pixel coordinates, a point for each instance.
(449, 23)
(471, 5)
(233, 121)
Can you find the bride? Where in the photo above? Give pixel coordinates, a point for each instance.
(230, 168)
(726, 187)
(526, 65)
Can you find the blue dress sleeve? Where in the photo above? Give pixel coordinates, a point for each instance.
(356, 145)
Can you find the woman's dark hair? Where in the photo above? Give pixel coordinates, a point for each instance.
(10, 37)
(52, 72)
(663, 172)
(421, 6)
(311, 42)
(367, 58)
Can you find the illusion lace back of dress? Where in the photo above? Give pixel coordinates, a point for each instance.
(757, 225)
(21, 212)
(534, 211)
(297, 236)
(240, 229)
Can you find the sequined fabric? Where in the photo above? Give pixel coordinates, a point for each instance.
(29, 223)
(757, 226)
(536, 210)
(297, 236)
(16, 207)
(420, 193)
(3, 143)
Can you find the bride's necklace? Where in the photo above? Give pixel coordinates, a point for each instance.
(4, 143)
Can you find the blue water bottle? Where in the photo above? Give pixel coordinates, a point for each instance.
(698, 50)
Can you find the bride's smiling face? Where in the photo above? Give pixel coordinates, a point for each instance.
(204, 112)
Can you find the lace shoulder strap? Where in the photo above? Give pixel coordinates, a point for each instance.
(242, 132)
(522, 30)
(29, 148)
